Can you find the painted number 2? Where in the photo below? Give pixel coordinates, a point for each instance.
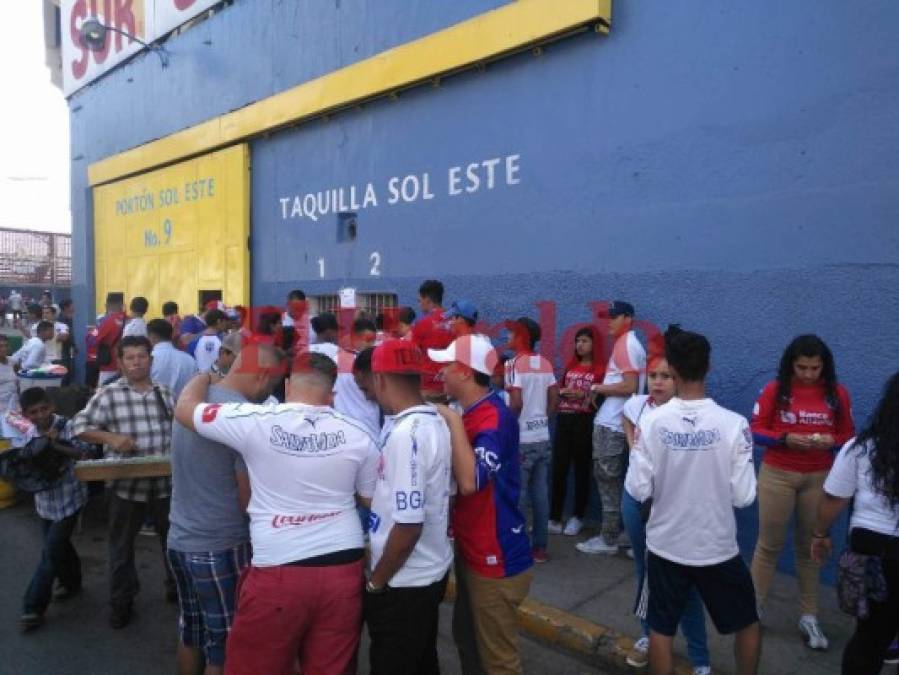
(375, 259)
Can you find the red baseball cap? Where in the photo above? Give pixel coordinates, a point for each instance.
(397, 356)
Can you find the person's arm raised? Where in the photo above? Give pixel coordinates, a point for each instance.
(191, 396)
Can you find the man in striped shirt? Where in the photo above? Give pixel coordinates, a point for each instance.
(132, 416)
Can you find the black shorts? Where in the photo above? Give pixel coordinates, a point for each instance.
(726, 590)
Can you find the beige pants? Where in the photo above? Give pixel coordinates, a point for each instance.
(783, 494)
(485, 621)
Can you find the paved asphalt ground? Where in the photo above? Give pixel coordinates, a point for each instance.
(76, 639)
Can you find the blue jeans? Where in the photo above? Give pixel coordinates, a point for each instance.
(535, 488)
(692, 623)
(59, 560)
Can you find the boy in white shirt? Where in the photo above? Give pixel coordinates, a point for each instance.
(533, 397)
(209, 344)
(694, 459)
(136, 325)
(410, 549)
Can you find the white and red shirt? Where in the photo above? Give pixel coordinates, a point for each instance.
(807, 412)
(628, 356)
(306, 464)
(533, 375)
(414, 487)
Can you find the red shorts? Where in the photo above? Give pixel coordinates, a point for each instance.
(289, 615)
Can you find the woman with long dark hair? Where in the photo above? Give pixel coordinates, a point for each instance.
(867, 470)
(800, 418)
(574, 434)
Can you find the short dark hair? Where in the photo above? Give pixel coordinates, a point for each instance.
(213, 316)
(362, 362)
(169, 308)
(50, 307)
(433, 290)
(43, 325)
(361, 325)
(406, 315)
(33, 396)
(296, 294)
(533, 329)
(161, 329)
(139, 305)
(114, 299)
(687, 353)
(325, 321)
(315, 363)
(35, 309)
(481, 379)
(65, 304)
(133, 341)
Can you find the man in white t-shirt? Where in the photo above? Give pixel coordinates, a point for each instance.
(693, 458)
(533, 397)
(625, 376)
(34, 352)
(410, 549)
(302, 598)
(348, 397)
(60, 334)
(136, 325)
(209, 343)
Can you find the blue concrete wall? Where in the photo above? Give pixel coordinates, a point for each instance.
(733, 169)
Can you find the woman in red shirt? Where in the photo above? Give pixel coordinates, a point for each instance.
(574, 435)
(800, 418)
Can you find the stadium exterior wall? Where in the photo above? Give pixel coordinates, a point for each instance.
(734, 169)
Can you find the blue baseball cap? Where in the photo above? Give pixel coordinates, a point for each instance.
(620, 308)
(463, 308)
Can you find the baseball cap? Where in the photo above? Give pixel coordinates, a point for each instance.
(474, 351)
(464, 308)
(396, 356)
(620, 308)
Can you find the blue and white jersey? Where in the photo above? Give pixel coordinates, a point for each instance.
(207, 352)
(414, 487)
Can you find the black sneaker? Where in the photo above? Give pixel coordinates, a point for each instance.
(30, 621)
(120, 616)
(62, 593)
(171, 594)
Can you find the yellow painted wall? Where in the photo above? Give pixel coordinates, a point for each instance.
(169, 233)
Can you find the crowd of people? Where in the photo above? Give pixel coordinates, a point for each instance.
(327, 475)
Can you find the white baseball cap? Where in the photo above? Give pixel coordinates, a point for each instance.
(475, 351)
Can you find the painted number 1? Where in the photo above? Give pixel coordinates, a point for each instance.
(375, 259)
(321, 267)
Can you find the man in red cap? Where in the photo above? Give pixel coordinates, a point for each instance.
(410, 550)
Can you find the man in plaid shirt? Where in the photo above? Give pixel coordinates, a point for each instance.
(131, 416)
(58, 508)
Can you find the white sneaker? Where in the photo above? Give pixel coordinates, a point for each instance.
(597, 545)
(702, 670)
(554, 527)
(573, 527)
(630, 553)
(811, 632)
(638, 656)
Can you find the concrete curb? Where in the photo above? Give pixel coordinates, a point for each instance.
(564, 630)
